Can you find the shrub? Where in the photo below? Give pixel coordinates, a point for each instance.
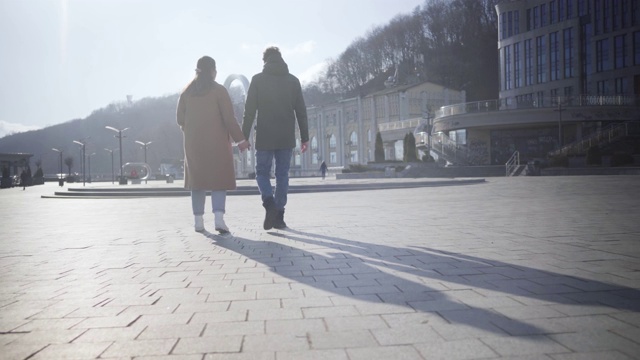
(621, 159)
(379, 151)
(594, 157)
(559, 161)
(428, 158)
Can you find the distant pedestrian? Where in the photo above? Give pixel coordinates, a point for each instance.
(205, 115)
(276, 96)
(24, 176)
(323, 169)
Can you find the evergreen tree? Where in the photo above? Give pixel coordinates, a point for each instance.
(379, 152)
(405, 148)
(412, 153)
(69, 162)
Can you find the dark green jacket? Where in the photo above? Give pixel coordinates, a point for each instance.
(276, 96)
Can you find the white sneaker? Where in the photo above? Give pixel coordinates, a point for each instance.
(199, 223)
(221, 227)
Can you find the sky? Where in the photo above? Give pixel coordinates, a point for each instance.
(62, 59)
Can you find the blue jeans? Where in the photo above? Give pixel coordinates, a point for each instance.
(198, 198)
(264, 158)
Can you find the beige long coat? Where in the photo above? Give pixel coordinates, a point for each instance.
(208, 125)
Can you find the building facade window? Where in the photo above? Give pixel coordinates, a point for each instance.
(622, 86)
(353, 139)
(597, 16)
(536, 17)
(616, 14)
(601, 87)
(332, 141)
(540, 98)
(517, 66)
(528, 62)
(541, 57)
(606, 16)
(554, 56)
(553, 16)
(568, 95)
(507, 67)
(583, 7)
(543, 15)
(620, 51)
(516, 22)
(561, 10)
(602, 55)
(554, 96)
(636, 48)
(567, 35)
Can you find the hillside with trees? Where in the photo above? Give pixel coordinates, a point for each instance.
(451, 43)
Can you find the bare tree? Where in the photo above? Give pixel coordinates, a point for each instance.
(69, 162)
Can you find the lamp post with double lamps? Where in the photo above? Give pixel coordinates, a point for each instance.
(122, 180)
(144, 145)
(113, 176)
(61, 176)
(83, 152)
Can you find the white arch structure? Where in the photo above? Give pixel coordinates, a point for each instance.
(243, 79)
(241, 166)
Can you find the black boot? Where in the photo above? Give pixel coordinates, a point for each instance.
(271, 212)
(279, 222)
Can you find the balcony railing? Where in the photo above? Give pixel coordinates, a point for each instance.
(512, 103)
(399, 125)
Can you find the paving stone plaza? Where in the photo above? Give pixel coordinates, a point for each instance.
(508, 268)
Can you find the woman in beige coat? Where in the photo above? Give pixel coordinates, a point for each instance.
(205, 115)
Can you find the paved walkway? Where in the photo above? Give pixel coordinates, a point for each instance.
(513, 268)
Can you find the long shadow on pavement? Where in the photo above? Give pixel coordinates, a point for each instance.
(471, 271)
(374, 273)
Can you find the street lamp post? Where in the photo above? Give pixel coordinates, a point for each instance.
(60, 179)
(144, 145)
(559, 110)
(113, 176)
(83, 152)
(119, 136)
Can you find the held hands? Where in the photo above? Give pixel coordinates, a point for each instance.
(244, 145)
(304, 146)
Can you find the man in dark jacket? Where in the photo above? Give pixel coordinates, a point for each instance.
(276, 96)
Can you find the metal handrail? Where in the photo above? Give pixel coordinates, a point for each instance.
(449, 148)
(601, 137)
(512, 165)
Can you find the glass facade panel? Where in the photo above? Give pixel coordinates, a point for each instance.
(517, 66)
(567, 34)
(603, 62)
(541, 57)
(620, 51)
(554, 56)
(528, 62)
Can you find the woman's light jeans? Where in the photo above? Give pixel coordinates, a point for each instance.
(198, 198)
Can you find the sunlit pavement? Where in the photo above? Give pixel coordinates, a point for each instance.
(513, 268)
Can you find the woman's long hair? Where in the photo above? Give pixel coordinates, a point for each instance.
(203, 82)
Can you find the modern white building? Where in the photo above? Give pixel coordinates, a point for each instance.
(343, 133)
